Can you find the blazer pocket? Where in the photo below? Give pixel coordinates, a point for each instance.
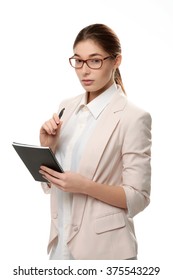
(110, 222)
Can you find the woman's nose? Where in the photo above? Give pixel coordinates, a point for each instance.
(85, 68)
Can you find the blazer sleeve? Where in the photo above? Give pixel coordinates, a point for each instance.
(136, 156)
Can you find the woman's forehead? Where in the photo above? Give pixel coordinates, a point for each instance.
(88, 47)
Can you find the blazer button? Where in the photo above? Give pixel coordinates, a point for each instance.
(75, 228)
(54, 215)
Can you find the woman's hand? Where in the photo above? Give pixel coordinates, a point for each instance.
(49, 132)
(67, 181)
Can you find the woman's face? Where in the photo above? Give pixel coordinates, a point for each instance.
(94, 81)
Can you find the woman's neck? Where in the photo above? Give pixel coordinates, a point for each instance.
(94, 94)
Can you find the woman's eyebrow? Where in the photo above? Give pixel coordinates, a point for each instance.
(91, 55)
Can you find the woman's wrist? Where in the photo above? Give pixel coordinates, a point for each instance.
(88, 184)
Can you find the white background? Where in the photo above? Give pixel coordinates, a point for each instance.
(36, 39)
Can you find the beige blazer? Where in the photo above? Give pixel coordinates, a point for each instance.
(118, 153)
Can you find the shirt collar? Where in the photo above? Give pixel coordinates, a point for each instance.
(98, 104)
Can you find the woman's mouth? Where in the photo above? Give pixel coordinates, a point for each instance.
(87, 82)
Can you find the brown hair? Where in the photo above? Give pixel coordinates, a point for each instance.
(107, 39)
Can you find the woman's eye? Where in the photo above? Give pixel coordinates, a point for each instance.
(78, 61)
(95, 61)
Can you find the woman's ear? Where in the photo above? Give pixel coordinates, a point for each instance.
(118, 61)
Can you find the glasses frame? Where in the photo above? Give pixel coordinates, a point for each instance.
(86, 61)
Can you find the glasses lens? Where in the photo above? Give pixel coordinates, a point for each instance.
(94, 63)
(76, 63)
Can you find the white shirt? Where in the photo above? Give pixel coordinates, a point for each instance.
(73, 139)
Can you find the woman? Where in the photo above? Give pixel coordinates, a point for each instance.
(103, 143)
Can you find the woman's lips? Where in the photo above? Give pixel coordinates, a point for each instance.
(87, 82)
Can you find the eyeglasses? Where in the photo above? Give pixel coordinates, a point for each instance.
(94, 63)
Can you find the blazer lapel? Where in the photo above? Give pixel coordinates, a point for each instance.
(101, 135)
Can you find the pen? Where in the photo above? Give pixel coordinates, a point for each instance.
(61, 113)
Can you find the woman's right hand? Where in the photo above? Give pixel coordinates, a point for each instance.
(49, 132)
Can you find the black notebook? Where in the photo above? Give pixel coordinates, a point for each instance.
(35, 156)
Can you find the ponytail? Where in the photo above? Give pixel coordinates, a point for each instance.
(118, 79)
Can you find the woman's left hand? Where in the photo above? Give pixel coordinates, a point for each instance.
(67, 181)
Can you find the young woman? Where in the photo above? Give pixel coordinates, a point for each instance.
(103, 143)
